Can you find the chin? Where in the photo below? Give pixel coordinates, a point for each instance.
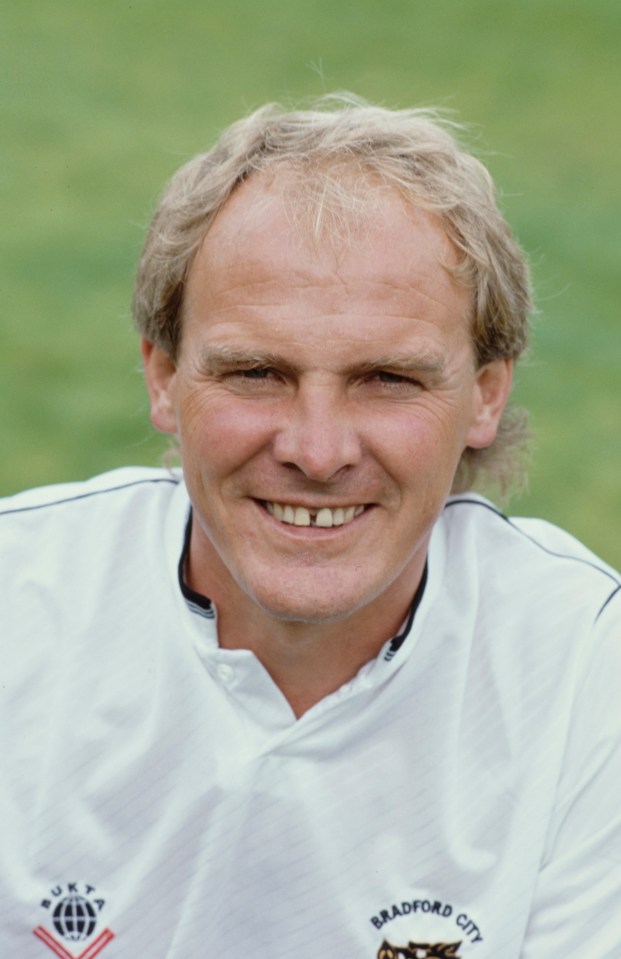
(309, 613)
(315, 606)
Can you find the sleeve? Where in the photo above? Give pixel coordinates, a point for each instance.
(576, 910)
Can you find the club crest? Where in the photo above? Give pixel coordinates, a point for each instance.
(419, 950)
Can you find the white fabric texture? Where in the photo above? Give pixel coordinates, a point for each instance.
(465, 789)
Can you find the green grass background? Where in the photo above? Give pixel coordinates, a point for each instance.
(100, 102)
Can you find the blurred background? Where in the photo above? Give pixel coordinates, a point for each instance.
(101, 102)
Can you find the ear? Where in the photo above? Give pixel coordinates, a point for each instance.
(160, 374)
(491, 392)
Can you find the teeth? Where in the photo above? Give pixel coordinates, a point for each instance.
(302, 516)
(324, 518)
(338, 516)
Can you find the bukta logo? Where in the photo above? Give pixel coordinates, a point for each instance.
(419, 950)
(74, 911)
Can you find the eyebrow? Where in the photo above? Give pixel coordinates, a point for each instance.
(423, 362)
(219, 358)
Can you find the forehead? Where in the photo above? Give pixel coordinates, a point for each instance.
(275, 234)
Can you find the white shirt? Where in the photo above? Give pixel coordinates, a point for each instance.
(160, 799)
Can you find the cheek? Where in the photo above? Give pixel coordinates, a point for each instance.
(219, 435)
(421, 437)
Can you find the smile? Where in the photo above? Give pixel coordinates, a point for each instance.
(326, 517)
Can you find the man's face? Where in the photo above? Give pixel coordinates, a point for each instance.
(322, 397)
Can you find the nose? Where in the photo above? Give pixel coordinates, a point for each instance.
(318, 435)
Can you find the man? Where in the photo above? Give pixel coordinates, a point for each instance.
(312, 697)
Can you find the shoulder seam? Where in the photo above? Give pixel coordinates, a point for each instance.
(614, 593)
(535, 542)
(88, 495)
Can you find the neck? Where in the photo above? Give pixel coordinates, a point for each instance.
(307, 661)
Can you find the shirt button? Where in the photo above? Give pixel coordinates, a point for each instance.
(226, 673)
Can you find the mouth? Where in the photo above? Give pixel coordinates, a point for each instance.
(324, 517)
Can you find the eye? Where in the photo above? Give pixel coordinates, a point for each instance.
(258, 373)
(387, 377)
(388, 380)
(255, 373)
(253, 379)
(387, 384)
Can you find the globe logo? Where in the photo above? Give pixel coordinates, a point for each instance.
(74, 918)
